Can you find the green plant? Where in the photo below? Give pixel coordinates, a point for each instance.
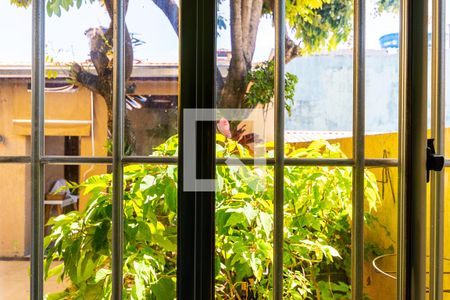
(261, 86)
(317, 230)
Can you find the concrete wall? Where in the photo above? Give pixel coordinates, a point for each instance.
(323, 99)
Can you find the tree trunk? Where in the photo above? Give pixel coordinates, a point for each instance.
(244, 23)
(101, 43)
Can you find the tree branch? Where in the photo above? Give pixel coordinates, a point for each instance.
(170, 9)
(292, 49)
(84, 78)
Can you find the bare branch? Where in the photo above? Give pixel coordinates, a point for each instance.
(293, 50)
(84, 78)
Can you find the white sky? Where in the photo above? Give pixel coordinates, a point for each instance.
(66, 41)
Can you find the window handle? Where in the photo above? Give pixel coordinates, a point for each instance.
(435, 162)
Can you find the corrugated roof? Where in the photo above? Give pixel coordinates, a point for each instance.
(302, 136)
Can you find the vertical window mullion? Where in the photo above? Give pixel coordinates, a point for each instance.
(437, 132)
(196, 228)
(280, 7)
(358, 149)
(411, 250)
(118, 85)
(206, 150)
(37, 150)
(186, 200)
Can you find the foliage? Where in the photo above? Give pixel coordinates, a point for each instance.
(388, 6)
(319, 24)
(317, 230)
(261, 86)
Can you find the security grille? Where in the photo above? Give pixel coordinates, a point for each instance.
(196, 209)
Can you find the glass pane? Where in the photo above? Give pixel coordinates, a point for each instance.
(245, 77)
(447, 68)
(76, 113)
(15, 73)
(79, 74)
(380, 236)
(152, 96)
(382, 62)
(317, 225)
(320, 62)
(244, 234)
(15, 236)
(77, 230)
(80, 233)
(150, 256)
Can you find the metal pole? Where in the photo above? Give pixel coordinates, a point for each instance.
(412, 150)
(279, 149)
(403, 126)
(171, 160)
(118, 134)
(437, 132)
(358, 149)
(37, 150)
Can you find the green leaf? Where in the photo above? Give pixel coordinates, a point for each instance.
(164, 289)
(57, 296)
(57, 270)
(170, 194)
(266, 222)
(101, 274)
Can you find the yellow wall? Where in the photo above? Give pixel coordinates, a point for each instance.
(15, 106)
(377, 285)
(15, 182)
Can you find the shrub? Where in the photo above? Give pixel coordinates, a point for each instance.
(317, 230)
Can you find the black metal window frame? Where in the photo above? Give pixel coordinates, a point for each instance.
(196, 229)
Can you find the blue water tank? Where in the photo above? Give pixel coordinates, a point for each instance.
(391, 40)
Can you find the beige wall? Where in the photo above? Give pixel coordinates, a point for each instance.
(14, 179)
(15, 105)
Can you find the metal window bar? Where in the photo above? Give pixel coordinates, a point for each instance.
(438, 133)
(79, 160)
(357, 256)
(118, 85)
(37, 142)
(278, 234)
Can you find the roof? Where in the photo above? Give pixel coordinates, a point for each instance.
(302, 136)
(141, 70)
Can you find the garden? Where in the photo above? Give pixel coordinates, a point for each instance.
(317, 229)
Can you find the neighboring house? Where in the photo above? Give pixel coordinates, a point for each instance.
(75, 124)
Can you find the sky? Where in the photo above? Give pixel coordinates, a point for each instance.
(66, 42)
